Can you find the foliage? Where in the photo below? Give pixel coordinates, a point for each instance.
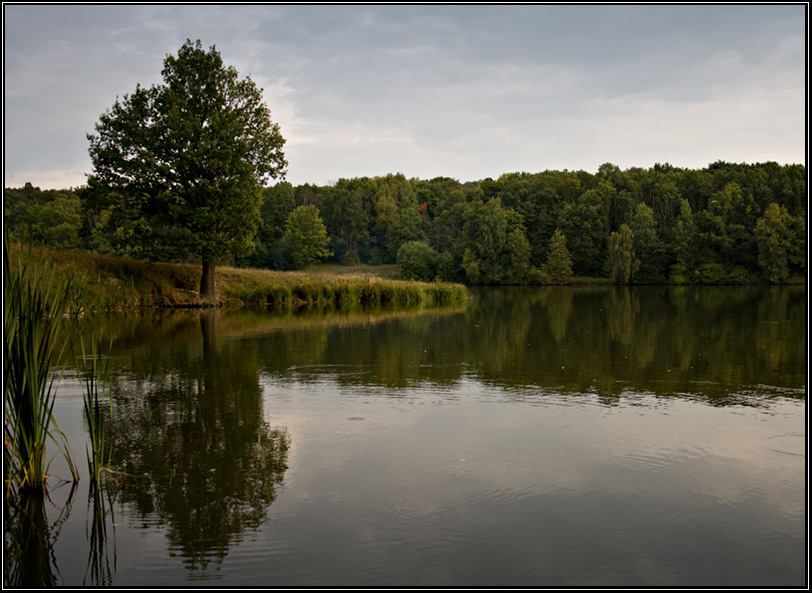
(344, 217)
(407, 227)
(720, 274)
(584, 222)
(494, 245)
(648, 247)
(278, 201)
(492, 230)
(306, 236)
(52, 217)
(189, 157)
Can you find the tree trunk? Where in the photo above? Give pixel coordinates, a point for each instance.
(208, 326)
(208, 293)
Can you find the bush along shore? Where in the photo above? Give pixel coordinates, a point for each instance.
(108, 283)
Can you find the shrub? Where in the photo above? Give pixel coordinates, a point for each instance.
(417, 261)
(720, 274)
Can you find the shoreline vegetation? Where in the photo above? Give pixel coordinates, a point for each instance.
(112, 283)
(727, 223)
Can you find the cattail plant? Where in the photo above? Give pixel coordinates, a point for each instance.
(34, 304)
(93, 373)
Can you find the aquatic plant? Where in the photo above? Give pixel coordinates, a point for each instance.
(93, 375)
(34, 344)
(342, 293)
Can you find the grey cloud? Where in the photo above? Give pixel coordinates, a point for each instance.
(463, 84)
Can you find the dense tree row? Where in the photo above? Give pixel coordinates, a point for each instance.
(727, 223)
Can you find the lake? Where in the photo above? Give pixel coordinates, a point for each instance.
(569, 436)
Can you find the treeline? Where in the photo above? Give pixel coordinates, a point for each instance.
(726, 223)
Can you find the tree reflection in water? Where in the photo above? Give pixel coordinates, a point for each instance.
(194, 433)
(191, 390)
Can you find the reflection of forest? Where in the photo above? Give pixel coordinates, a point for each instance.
(712, 342)
(704, 341)
(189, 398)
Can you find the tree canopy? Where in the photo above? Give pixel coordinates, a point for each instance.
(717, 225)
(190, 157)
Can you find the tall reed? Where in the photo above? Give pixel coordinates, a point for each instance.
(93, 374)
(34, 343)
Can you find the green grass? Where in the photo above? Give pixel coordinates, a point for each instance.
(107, 283)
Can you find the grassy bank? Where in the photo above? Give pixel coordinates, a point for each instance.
(327, 290)
(100, 282)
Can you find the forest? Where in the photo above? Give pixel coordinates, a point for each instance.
(724, 224)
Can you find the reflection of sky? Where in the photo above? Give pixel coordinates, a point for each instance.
(452, 469)
(689, 445)
(464, 484)
(414, 481)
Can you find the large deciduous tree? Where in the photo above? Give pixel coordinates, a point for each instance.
(190, 156)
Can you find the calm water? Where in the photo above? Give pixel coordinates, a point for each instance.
(548, 436)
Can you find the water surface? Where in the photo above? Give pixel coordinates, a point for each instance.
(548, 436)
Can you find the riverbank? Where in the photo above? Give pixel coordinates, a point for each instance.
(108, 283)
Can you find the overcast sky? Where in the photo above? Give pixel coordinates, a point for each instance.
(467, 92)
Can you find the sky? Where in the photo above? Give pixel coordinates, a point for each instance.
(467, 92)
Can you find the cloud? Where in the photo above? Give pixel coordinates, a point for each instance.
(460, 91)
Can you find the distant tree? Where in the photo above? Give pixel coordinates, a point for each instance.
(57, 222)
(190, 156)
(494, 244)
(345, 218)
(647, 244)
(682, 245)
(724, 228)
(277, 203)
(621, 262)
(50, 217)
(774, 235)
(517, 253)
(585, 223)
(558, 269)
(306, 236)
(16, 203)
(408, 226)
